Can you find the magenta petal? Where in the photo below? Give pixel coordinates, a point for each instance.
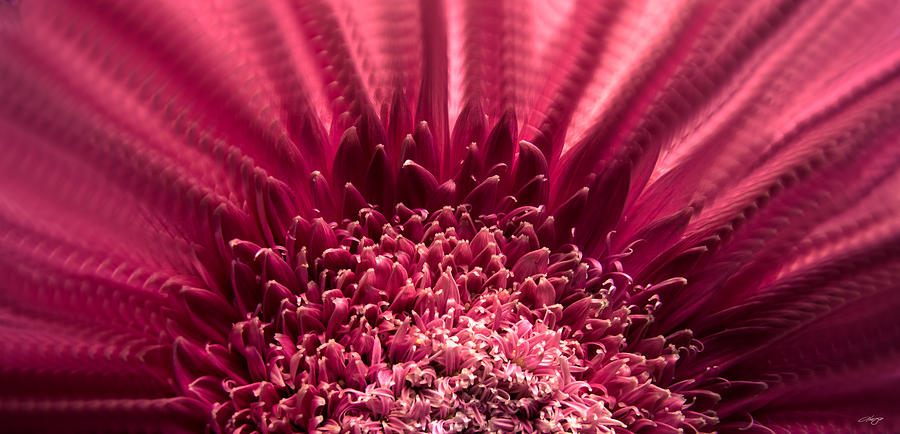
(417, 185)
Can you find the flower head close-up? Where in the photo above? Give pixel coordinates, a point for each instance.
(458, 216)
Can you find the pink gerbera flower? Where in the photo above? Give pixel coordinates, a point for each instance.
(446, 217)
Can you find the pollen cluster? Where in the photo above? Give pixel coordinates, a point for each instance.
(440, 322)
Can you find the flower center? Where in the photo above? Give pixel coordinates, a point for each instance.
(440, 323)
